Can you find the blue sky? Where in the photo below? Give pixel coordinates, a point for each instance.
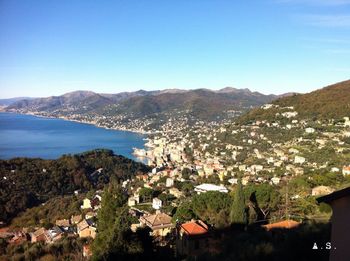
(270, 46)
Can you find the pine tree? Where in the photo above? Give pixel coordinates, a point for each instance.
(110, 239)
(238, 213)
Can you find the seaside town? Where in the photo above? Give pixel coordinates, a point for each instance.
(175, 130)
(288, 162)
(148, 124)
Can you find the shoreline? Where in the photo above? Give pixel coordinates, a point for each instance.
(81, 122)
(131, 155)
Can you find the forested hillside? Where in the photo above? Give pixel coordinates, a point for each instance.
(28, 182)
(330, 102)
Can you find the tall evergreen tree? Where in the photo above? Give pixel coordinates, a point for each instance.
(113, 226)
(238, 214)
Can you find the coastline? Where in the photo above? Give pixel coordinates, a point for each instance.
(82, 122)
(128, 151)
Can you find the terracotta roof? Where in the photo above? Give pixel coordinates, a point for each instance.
(39, 232)
(194, 228)
(4, 229)
(286, 224)
(63, 222)
(159, 219)
(82, 225)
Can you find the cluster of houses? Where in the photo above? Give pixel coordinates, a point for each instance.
(75, 226)
(81, 225)
(202, 149)
(192, 238)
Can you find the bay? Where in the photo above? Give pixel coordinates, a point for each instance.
(47, 138)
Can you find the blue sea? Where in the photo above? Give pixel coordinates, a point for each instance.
(31, 136)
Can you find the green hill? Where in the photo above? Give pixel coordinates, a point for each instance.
(202, 104)
(331, 102)
(27, 182)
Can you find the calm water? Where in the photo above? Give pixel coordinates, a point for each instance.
(30, 136)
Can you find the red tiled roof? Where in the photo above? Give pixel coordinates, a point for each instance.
(286, 224)
(194, 228)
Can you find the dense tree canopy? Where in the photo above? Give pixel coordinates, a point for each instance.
(114, 239)
(212, 207)
(238, 214)
(27, 182)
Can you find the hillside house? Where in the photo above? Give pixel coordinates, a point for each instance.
(245, 180)
(309, 130)
(156, 203)
(75, 219)
(86, 228)
(159, 223)
(131, 201)
(321, 190)
(40, 235)
(93, 203)
(169, 182)
(340, 238)
(86, 204)
(18, 238)
(62, 222)
(275, 180)
(346, 122)
(209, 187)
(54, 234)
(176, 192)
(299, 160)
(346, 170)
(192, 238)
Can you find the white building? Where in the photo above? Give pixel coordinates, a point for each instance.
(132, 202)
(209, 187)
(309, 130)
(156, 203)
(289, 114)
(299, 160)
(245, 180)
(346, 170)
(346, 121)
(169, 182)
(275, 180)
(233, 181)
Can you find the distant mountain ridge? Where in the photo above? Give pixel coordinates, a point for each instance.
(151, 106)
(84, 99)
(9, 101)
(80, 95)
(205, 104)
